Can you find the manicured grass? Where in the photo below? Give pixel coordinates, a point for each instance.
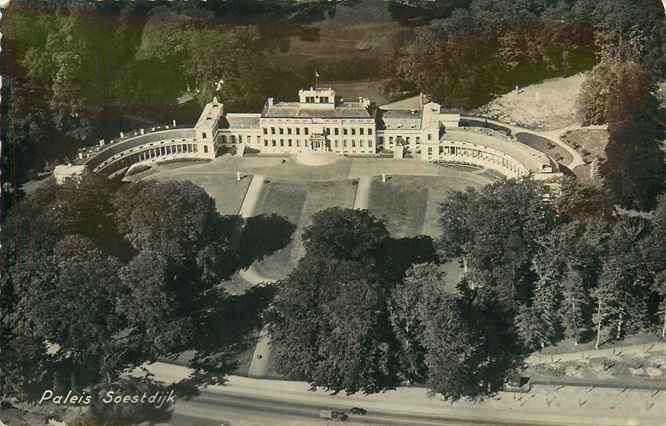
(285, 200)
(410, 204)
(297, 203)
(401, 202)
(227, 192)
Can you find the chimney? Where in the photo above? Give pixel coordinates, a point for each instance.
(270, 102)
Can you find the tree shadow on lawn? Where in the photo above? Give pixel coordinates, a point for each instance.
(264, 235)
(399, 254)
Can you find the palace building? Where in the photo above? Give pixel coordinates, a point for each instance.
(416, 127)
(321, 121)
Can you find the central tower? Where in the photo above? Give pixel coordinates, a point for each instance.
(317, 98)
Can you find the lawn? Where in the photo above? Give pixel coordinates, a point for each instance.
(227, 192)
(410, 204)
(297, 203)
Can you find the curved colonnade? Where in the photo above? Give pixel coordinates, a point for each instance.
(493, 150)
(147, 148)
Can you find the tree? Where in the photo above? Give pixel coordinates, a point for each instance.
(345, 234)
(634, 169)
(583, 203)
(538, 324)
(458, 344)
(207, 55)
(592, 100)
(654, 252)
(496, 229)
(71, 304)
(329, 324)
(622, 293)
(179, 221)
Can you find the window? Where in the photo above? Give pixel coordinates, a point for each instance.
(203, 135)
(306, 130)
(265, 142)
(281, 131)
(289, 142)
(258, 140)
(298, 143)
(360, 143)
(281, 142)
(247, 138)
(298, 130)
(353, 131)
(429, 150)
(418, 140)
(344, 143)
(360, 131)
(206, 149)
(273, 142)
(407, 139)
(369, 143)
(272, 130)
(337, 131)
(224, 138)
(336, 144)
(369, 132)
(381, 140)
(265, 131)
(344, 131)
(390, 140)
(195, 148)
(353, 143)
(429, 136)
(289, 130)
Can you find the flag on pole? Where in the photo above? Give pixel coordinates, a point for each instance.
(316, 78)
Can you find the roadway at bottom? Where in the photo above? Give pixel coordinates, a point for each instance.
(215, 409)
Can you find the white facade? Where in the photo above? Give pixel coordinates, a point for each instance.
(417, 127)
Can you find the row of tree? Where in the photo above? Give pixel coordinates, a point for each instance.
(479, 48)
(619, 91)
(538, 273)
(97, 280)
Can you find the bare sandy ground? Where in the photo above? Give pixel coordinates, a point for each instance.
(546, 106)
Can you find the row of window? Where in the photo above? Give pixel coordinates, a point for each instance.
(313, 100)
(406, 139)
(233, 139)
(337, 144)
(362, 131)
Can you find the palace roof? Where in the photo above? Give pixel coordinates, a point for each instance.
(242, 121)
(298, 110)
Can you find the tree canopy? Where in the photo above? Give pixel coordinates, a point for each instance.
(108, 279)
